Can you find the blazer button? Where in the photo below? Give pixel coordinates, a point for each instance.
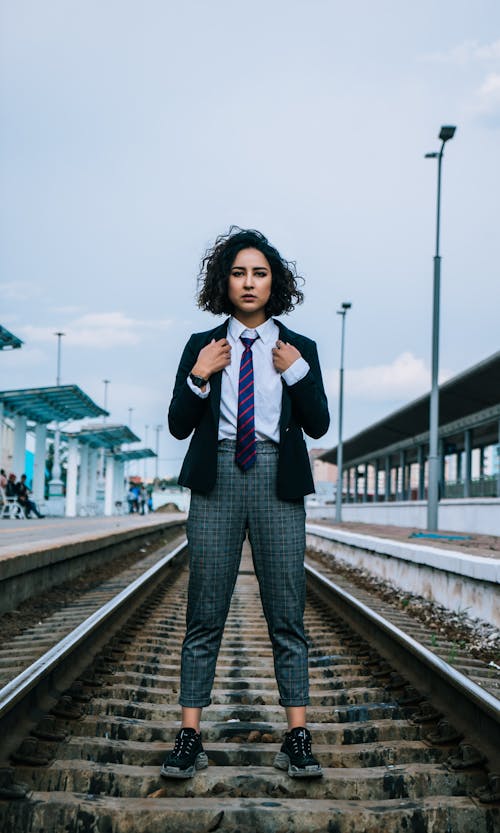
(287, 429)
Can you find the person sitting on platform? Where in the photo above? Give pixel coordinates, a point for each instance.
(23, 497)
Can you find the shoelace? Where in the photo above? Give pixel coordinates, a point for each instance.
(301, 742)
(183, 743)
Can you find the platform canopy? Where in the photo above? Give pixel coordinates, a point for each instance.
(476, 391)
(56, 404)
(134, 454)
(8, 341)
(103, 435)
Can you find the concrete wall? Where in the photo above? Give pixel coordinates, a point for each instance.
(480, 515)
(458, 581)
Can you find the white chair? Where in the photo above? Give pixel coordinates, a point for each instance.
(10, 506)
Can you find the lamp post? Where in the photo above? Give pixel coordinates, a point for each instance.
(446, 133)
(130, 417)
(338, 507)
(145, 446)
(56, 484)
(101, 464)
(157, 429)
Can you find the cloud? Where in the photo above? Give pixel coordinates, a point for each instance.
(19, 290)
(406, 378)
(99, 330)
(488, 99)
(470, 51)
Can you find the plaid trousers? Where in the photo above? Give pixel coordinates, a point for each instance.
(216, 529)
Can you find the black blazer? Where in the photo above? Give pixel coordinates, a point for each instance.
(304, 407)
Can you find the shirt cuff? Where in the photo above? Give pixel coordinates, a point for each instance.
(296, 371)
(198, 391)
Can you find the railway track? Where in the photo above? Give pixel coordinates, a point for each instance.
(107, 712)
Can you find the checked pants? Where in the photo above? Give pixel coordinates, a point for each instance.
(216, 529)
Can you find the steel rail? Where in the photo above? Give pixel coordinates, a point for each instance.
(472, 710)
(43, 681)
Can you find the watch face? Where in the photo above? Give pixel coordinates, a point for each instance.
(199, 381)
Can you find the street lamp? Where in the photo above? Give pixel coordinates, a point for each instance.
(338, 509)
(446, 133)
(145, 446)
(105, 383)
(157, 429)
(130, 416)
(56, 484)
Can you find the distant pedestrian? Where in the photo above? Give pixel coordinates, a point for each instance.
(248, 388)
(132, 499)
(3, 479)
(23, 498)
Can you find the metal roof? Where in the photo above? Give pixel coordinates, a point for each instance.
(104, 435)
(471, 392)
(8, 341)
(137, 454)
(56, 404)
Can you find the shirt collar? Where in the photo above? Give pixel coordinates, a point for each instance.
(266, 331)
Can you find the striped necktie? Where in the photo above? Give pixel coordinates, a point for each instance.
(246, 450)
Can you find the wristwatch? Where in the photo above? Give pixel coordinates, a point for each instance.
(199, 381)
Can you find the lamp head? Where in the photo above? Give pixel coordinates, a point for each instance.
(447, 132)
(346, 305)
(431, 155)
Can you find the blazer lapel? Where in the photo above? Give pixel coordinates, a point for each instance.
(286, 405)
(216, 379)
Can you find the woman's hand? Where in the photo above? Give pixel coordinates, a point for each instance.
(213, 357)
(284, 355)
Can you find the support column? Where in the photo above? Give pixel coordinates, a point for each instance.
(83, 480)
(387, 478)
(19, 456)
(356, 484)
(468, 462)
(39, 462)
(71, 478)
(119, 494)
(442, 470)
(375, 484)
(109, 486)
(365, 489)
(421, 472)
(458, 463)
(92, 487)
(400, 478)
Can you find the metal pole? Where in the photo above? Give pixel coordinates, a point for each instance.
(145, 459)
(433, 486)
(445, 135)
(157, 429)
(338, 502)
(55, 485)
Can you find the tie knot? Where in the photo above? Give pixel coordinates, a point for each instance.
(248, 342)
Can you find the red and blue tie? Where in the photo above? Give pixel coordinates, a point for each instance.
(246, 450)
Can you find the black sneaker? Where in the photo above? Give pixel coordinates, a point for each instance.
(186, 757)
(296, 755)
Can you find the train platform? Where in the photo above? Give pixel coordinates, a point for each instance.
(37, 554)
(18, 537)
(458, 572)
(472, 544)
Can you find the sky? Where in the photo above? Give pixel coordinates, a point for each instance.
(133, 133)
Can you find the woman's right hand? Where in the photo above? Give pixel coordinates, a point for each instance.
(213, 357)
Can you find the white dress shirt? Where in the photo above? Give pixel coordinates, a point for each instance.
(267, 381)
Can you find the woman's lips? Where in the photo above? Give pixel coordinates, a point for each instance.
(249, 297)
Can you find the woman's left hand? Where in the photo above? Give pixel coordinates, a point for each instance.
(284, 355)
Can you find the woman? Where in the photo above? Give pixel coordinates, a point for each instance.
(247, 389)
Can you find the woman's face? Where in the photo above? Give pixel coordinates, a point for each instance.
(249, 285)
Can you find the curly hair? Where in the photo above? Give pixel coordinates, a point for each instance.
(216, 268)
